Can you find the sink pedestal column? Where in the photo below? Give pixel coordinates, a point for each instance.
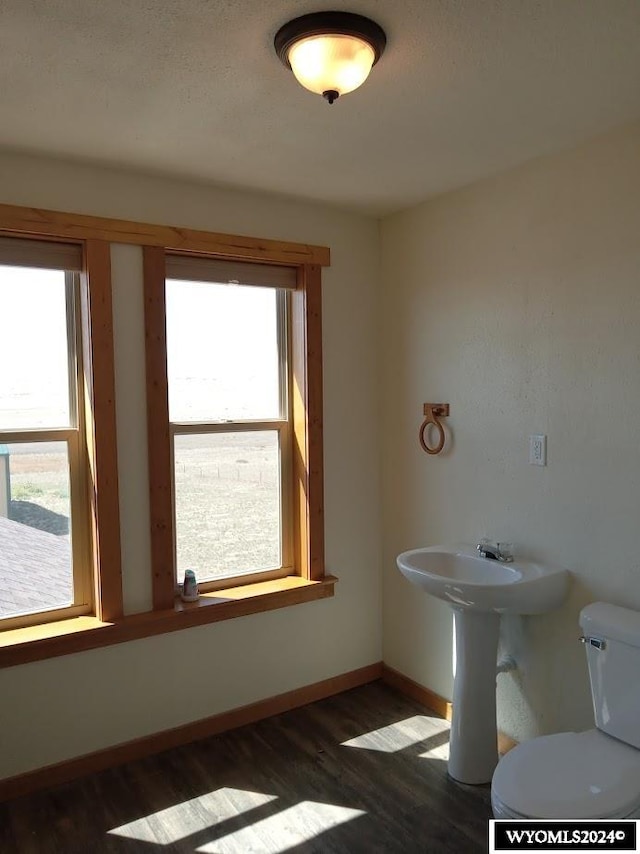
(473, 748)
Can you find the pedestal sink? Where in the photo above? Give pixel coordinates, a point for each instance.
(479, 590)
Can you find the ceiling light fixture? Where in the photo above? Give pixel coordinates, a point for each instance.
(330, 53)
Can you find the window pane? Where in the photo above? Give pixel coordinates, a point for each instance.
(35, 551)
(34, 366)
(227, 503)
(222, 352)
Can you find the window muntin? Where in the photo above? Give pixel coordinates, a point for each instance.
(230, 425)
(44, 563)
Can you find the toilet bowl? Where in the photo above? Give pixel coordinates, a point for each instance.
(582, 775)
(592, 774)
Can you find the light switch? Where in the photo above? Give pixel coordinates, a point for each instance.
(538, 450)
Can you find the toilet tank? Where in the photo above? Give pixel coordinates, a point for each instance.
(612, 641)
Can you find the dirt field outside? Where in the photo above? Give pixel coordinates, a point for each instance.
(227, 503)
(227, 500)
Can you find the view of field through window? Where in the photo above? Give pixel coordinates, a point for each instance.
(227, 503)
(35, 550)
(223, 365)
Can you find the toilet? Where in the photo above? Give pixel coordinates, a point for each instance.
(592, 774)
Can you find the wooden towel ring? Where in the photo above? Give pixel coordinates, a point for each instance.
(432, 412)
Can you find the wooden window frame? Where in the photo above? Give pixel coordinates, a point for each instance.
(100, 429)
(92, 449)
(307, 495)
(72, 436)
(109, 626)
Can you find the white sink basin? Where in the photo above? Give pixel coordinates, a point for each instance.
(460, 577)
(479, 590)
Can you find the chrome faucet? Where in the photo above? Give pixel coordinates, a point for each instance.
(492, 551)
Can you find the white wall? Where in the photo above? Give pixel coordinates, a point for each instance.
(517, 300)
(53, 710)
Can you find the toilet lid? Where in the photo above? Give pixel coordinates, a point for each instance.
(570, 775)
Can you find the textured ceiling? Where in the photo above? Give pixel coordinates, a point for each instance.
(193, 88)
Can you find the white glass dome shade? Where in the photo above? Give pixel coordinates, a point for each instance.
(330, 53)
(331, 63)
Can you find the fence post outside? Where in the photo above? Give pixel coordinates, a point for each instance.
(5, 483)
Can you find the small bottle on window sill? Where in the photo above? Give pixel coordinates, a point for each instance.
(190, 591)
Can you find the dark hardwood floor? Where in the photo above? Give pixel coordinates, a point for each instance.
(364, 771)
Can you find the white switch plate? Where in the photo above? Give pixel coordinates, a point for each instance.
(538, 450)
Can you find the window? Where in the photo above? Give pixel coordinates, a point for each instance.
(58, 452)
(229, 397)
(59, 518)
(234, 373)
(44, 547)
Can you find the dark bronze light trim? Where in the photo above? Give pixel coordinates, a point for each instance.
(332, 23)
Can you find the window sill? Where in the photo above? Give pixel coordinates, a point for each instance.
(19, 646)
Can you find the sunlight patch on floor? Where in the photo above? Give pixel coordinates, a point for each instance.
(189, 817)
(283, 831)
(400, 735)
(437, 747)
